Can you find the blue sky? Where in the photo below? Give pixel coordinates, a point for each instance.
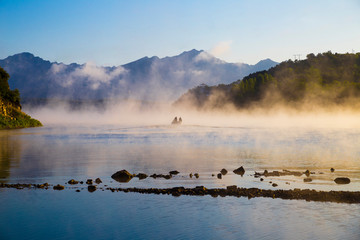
(110, 32)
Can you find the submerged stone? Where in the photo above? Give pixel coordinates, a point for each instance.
(141, 176)
(122, 176)
(98, 181)
(91, 188)
(224, 171)
(58, 187)
(72, 182)
(239, 171)
(342, 180)
(307, 180)
(174, 172)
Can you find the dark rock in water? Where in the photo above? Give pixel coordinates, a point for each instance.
(332, 169)
(224, 171)
(274, 185)
(307, 180)
(307, 173)
(239, 171)
(213, 175)
(196, 175)
(91, 188)
(231, 188)
(81, 182)
(58, 187)
(141, 176)
(72, 182)
(342, 180)
(190, 175)
(98, 181)
(77, 190)
(89, 181)
(278, 174)
(219, 176)
(122, 176)
(174, 172)
(261, 179)
(167, 176)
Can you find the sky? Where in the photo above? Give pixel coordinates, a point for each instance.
(115, 32)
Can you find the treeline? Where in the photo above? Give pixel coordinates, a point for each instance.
(6, 94)
(322, 80)
(11, 115)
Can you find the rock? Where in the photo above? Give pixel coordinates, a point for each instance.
(307, 173)
(219, 176)
(332, 169)
(81, 182)
(167, 176)
(274, 185)
(231, 188)
(213, 175)
(174, 172)
(89, 181)
(196, 175)
(77, 190)
(239, 171)
(141, 176)
(58, 187)
(72, 182)
(122, 176)
(224, 171)
(98, 181)
(91, 188)
(190, 175)
(261, 179)
(342, 180)
(307, 180)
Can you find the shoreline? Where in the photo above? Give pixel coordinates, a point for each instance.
(294, 194)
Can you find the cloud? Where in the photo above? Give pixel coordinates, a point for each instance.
(89, 72)
(221, 48)
(203, 56)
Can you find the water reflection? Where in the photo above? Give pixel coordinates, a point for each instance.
(56, 154)
(10, 152)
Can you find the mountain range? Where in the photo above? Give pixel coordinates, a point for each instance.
(151, 79)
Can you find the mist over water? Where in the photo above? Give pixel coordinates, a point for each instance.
(137, 113)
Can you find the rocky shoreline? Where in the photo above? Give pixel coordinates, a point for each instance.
(295, 194)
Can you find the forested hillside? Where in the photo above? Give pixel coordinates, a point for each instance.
(11, 115)
(324, 80)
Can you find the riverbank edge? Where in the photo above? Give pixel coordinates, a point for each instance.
(294, 194)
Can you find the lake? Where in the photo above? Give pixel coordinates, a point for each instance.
(56, 154)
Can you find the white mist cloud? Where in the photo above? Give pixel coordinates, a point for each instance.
(93, 74)
(221, 48)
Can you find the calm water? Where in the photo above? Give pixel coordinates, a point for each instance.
(55, 154)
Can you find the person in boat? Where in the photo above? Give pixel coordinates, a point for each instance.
(175, 121)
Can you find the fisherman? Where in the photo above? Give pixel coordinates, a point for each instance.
(175, 121)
